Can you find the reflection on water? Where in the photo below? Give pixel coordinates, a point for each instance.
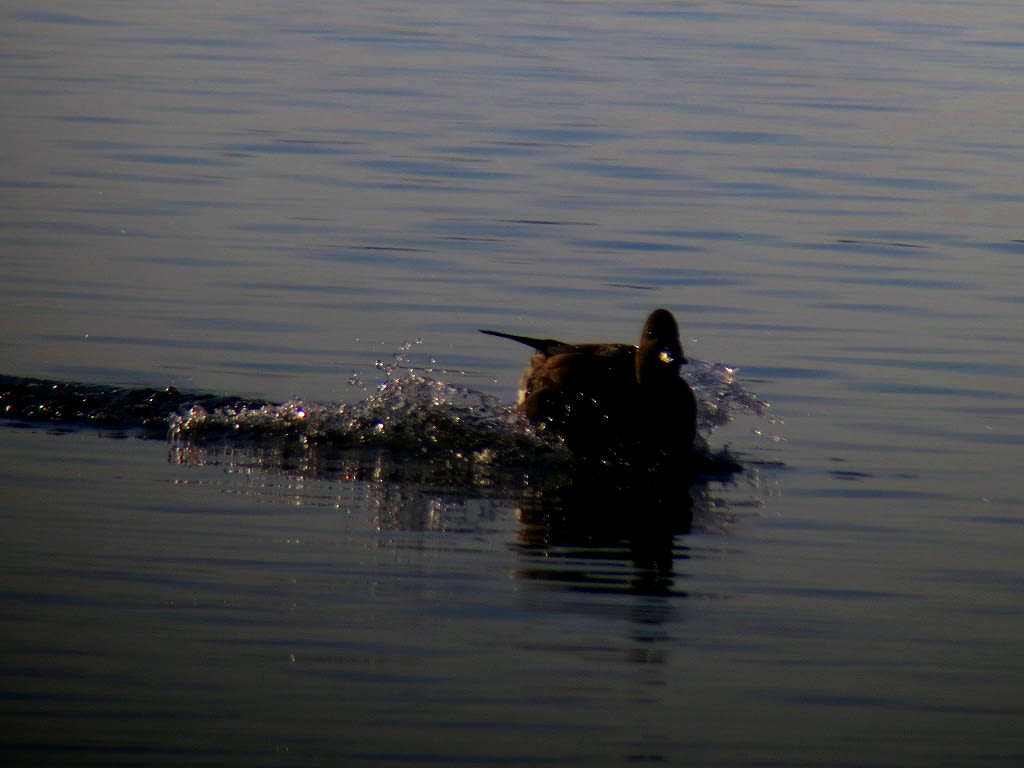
(581, 534)
(582, 526)
(559, 503)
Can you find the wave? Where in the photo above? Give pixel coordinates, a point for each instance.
(410, 414)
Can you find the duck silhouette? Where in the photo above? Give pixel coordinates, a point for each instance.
(613, 401)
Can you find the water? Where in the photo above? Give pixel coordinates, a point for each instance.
(263, 202)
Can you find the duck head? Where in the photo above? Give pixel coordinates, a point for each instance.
(660, 353)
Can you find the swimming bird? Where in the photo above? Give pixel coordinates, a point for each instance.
(613, 401)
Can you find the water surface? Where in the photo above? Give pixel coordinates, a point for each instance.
(270, 203)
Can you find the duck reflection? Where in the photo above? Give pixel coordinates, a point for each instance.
(593, 527)
(597, 533)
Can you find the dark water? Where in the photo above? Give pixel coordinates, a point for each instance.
(352, 553)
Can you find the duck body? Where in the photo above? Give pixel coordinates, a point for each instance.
(613, 401)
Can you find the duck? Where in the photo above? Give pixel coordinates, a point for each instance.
(613, 401)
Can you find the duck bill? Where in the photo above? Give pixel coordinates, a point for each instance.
(669, 357)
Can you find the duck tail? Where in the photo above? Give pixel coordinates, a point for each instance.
(541, 345)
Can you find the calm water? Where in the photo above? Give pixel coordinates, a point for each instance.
(266, 201)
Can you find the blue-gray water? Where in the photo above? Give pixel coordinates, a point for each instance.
(266, 200)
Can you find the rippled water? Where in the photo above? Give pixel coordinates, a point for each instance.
(309, 211)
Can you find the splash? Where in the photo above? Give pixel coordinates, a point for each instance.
(720, 396)
(413, 411)
(410, 413)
